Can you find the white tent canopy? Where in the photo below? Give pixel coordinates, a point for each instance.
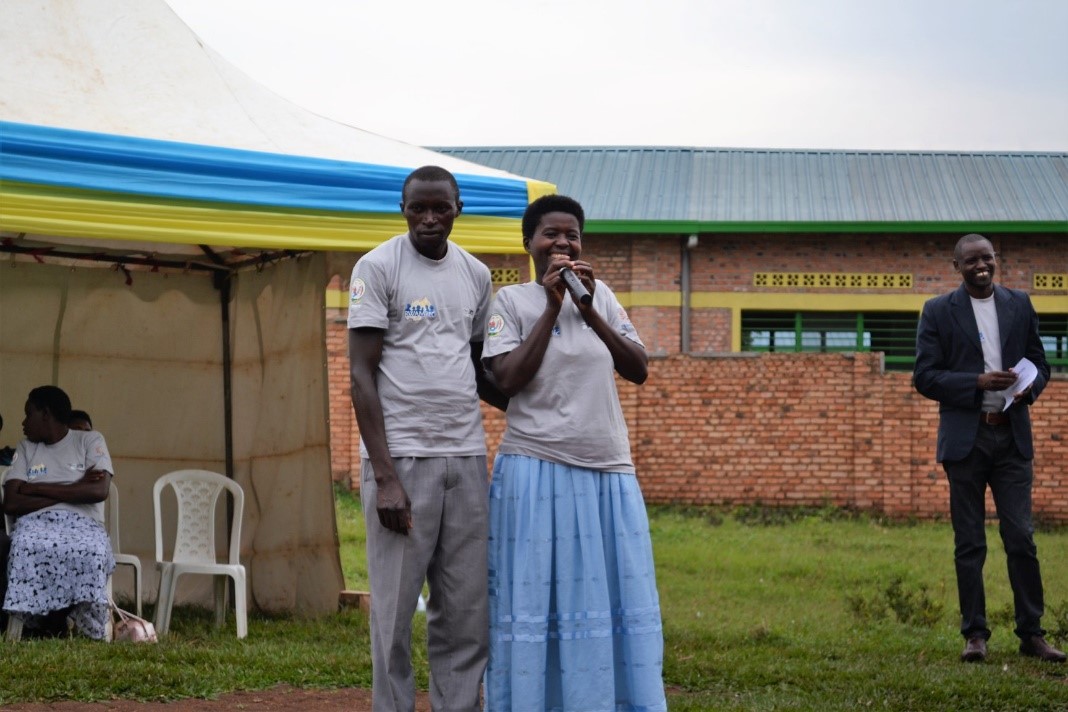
(133, 68)
(160, 216)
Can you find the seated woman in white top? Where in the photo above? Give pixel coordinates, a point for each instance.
(60, 556)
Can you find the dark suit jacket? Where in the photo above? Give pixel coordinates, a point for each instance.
(949, 359)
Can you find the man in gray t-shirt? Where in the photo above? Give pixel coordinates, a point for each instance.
(417, 313)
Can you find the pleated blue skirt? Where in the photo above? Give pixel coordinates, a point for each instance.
(574, 612)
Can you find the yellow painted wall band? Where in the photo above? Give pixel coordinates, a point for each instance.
(737, 301)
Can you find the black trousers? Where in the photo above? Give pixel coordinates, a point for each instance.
(996, 462)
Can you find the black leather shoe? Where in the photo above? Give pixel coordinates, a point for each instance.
(974, 650)
(1037, 647)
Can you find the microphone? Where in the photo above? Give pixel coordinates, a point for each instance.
(575, 286)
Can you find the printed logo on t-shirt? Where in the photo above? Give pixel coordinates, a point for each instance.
(36, 471)
(356, 291)
(495, 325)
(556, 330)
(420, 309)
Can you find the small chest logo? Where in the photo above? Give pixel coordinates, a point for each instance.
(420, 309)
(36, 471)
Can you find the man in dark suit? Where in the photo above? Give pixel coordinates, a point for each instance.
(967, 344)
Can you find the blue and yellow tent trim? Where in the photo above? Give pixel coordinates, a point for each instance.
(90, 185)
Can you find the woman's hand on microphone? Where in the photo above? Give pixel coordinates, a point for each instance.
(584, 270)
(553, 281)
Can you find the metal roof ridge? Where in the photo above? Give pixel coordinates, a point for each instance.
(742, 149)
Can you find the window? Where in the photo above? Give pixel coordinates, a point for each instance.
(893, 333)
(1053, 330)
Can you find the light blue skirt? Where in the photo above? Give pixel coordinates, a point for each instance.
(574, 612)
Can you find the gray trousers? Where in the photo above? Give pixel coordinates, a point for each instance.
(446, 547)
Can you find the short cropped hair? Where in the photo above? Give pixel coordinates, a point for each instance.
(80, 415)
(550, 204)
(430, 173)
(53, 399)
(958, 250)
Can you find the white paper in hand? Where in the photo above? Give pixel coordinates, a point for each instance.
(1026, 372)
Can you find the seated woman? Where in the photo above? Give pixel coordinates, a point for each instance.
(60, 557)
(574, 611)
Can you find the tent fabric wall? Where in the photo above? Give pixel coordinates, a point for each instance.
(145, 360)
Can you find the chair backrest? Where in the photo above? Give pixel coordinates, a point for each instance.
(111, 516)
(8, 521)
(197, 492)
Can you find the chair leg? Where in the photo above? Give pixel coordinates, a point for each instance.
(220, 600)
(137, 587)
(240, 606)
(109, 627)
(172, 594)
(165, 599)
(14, 628)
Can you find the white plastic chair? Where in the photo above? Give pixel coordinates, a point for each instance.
(13, 632)
(111, 516)
(8, 521)
(198, 493)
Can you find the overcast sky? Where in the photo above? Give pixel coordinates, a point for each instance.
(875, 74)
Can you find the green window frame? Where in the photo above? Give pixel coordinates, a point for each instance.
(893, 333)
(1053, 330)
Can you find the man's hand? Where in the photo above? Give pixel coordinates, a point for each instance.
(394, 507)
(1022, 395)
(996, 380)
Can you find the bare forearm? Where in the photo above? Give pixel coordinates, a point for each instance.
(80, 492)
(514, 370)
(489, 393)
(372, 426)
(628, 357)
(16, 504)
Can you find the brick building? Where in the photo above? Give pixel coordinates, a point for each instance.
(778, 293)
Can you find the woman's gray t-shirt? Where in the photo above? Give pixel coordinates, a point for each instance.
(569, 413)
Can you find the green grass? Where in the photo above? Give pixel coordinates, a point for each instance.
(763, 610)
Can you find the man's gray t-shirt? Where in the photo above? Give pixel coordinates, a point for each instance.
(64, 463)
(569, 413)
(431, 311)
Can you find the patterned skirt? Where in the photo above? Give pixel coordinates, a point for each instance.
(60, 560)
(574, 611)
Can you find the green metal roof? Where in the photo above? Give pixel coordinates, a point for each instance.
(683, 190)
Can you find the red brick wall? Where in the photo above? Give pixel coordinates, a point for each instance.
(786, 429)
(780, 429)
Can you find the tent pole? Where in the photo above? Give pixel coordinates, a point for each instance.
(221, 281)
(223, 285)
